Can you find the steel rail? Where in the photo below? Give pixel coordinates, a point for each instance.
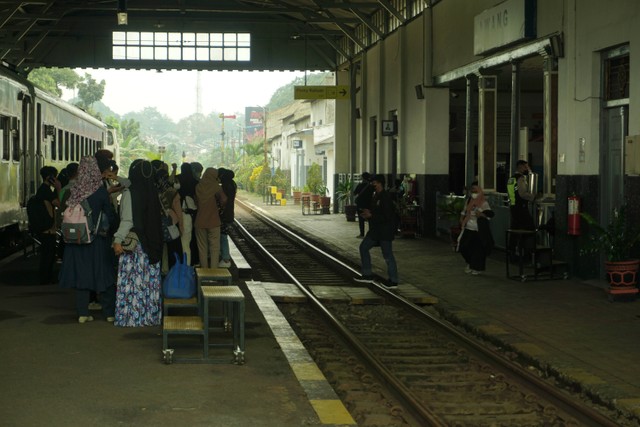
(589, 415)
(419, 410)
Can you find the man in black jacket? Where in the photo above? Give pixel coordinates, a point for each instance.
(381, 232)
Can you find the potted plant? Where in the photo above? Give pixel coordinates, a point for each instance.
(297, 195)
(449, 210)
(344, 195)
(325, 201)
(615, 241)
(315, 185)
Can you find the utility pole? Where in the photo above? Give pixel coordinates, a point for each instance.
(264, 127)
(222, 116)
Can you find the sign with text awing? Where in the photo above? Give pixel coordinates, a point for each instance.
(321, 92)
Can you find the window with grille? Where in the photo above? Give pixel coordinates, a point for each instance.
(177, 46)
(616, 74)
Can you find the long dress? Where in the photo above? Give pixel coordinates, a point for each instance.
(138, 299)
(91, 266)
(138, 294)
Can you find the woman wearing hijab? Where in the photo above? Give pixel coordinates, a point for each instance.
(89, 267)
(475, 241)
(187, 193)
(170, 200)
(139, 286)
(209, 196)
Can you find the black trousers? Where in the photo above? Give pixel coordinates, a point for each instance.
(47, 258)
(472, 250)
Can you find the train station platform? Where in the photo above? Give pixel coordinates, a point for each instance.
(60, 372)
(57, 372)
(564, 327)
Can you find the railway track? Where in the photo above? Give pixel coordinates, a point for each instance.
(396, 364)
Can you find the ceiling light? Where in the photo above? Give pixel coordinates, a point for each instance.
(122, 12)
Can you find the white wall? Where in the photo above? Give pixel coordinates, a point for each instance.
(592, 27)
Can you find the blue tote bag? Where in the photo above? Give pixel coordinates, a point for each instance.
(180, 282)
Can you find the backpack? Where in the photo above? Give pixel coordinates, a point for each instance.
(40, 219)
(77, 224)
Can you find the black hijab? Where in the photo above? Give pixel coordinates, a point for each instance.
(146, 209)
(187, 181)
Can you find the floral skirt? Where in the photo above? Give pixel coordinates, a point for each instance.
(138, 290)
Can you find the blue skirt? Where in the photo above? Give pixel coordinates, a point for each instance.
(90, 267)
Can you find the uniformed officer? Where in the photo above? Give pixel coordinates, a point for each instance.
(519, 198)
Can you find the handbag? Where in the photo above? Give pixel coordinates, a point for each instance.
(170, 231)
(180, 281)
(130, 241)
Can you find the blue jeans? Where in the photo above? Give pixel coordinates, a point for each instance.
(387, 253)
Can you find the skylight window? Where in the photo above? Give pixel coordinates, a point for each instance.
(148, 46)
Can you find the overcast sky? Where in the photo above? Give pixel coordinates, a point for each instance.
(174, 92)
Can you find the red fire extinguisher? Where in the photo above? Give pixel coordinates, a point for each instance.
(573, 220)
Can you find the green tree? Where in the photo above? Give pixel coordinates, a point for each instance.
(90, 91)
(50, 79)
(314, 180)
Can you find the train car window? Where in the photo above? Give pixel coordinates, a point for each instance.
(16, 143)
(72, 147)
(80, 144)
(40, 128)
(4, 136)
(60, 144)
(54, 146)
(110, 141)
(67, 147)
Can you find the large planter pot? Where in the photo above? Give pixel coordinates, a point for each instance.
(351, 212)
(623, 277)
(325, 204)
(297, 195)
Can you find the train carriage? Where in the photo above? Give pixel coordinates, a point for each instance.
(37, 129)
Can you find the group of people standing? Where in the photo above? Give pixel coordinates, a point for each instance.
(125, 261)
(475, 242)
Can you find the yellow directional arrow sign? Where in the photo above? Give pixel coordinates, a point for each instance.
(321, 92)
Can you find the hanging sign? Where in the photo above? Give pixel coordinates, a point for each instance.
(321, 92)
(389, 128)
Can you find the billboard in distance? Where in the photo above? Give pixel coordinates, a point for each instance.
(254, 121)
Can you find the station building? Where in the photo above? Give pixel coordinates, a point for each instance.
(466, 88)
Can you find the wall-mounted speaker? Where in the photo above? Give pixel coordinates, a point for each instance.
(419, 93)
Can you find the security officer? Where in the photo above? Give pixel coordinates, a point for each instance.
(519, 198)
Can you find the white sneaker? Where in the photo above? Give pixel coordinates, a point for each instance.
(111, 319)
(224, 264)
(85, 319)
(467, 269)
(94, 306)
(475, 273)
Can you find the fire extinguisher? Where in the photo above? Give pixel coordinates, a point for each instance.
(573, 220)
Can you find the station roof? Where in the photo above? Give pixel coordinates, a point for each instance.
(284, 34)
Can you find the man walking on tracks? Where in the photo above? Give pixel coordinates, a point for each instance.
(381, 233)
